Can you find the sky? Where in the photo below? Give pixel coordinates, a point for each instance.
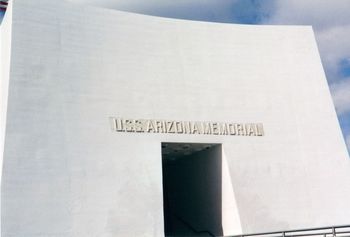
(330, 20)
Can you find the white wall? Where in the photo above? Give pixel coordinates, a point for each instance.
(66, 173)
(5, 55)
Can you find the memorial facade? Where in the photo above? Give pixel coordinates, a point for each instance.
(121, 124)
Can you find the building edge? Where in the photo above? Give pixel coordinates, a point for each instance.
(5, 54)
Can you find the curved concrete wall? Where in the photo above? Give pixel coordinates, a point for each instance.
(66, 173)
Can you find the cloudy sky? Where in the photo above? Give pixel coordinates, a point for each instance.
(329, 18)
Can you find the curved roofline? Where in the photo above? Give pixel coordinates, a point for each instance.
(183, 19)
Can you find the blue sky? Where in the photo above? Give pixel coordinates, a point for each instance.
(330, 20)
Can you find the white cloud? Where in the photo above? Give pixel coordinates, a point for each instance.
(319, 13)
(341, 96)
(334, 46)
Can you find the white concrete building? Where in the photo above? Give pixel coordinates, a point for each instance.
(120, 124)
